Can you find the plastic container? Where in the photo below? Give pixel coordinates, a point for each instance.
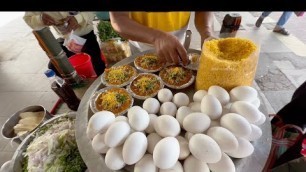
(82, 64)
(63, 90)
(227, 62)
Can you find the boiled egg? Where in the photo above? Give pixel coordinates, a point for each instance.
(237, 124)
(180, 99)
(146, 164)
(205, 148)
(134, 148)
(168, 108)
(220, 93)
(151, 105)
(164, 95)
(176, 168)
(211, 106)
(245, 149)
(198, 95)
(192, 164)
(226, 164)
(138, 118)
(166, 126)
(114, 159)
(98, 144)
(243, 93)
(117, 133)
(153, 139)
(166, 153)
(196, 122)
(184, 147)
(150, 128)
(181, 113)
(225, 139)
(100, 121)
(247, 110)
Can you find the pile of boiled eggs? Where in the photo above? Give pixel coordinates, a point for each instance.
(173, 133)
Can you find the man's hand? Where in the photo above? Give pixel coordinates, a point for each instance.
(169, 49)
(72, 23)
(47, 20)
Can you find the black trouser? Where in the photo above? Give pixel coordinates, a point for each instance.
(90, 47)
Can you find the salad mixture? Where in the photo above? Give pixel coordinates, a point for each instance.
(54, 149)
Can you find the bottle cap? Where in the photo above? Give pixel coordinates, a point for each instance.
(49, 73)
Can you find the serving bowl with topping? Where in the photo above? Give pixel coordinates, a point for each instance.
(149, 62)
(118, 76)
(176, 77)
(114, 99)
(145, 85)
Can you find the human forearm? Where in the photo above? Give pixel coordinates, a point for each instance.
(204, 24)
(34, 20)
(132, 30)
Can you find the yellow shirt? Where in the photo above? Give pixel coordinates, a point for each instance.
(165, 21)
(175, 23)
(84, 19)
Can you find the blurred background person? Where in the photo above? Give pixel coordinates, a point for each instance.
(81, 23)
(279, 27)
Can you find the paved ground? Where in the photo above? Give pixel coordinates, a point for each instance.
(281, 67)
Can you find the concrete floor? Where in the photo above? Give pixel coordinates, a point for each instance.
(281, 69)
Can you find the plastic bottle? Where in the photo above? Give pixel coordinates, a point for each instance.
(63, 90)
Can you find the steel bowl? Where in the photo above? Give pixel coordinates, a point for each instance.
(8, 126)
(18, 157)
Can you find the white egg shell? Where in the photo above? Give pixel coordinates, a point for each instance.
(90, 133)
(150, 128)
(211, 106)
(195, 106)
(153, 139)
(196, 122)
(184, 147)
(180, 99)
(100, 121)
(164, 95)
(146, 164)
(151, 105)
(98, 144)
(237, 124)
(226, 108)
(181, 113)
(138, 118)
(245, 149)
(166, 153)
(220, 93)
(225, 139)
(214, 123)
(167, 126)
(205, 148)
(176, 168)
(261, 120)
(255, 134)
(247, 110)
(168, 108)
(198, 95)
(121, 118)
(192, 164)
(243, 93)
(188, 135)
(226, 164)
(6, 166)
(256, 102)
(114, 159)
(134, 148)
(116, 134)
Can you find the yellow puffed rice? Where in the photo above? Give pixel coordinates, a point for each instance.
(227, 62)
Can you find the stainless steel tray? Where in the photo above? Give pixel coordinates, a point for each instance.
(16, 162)
(95, 162)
